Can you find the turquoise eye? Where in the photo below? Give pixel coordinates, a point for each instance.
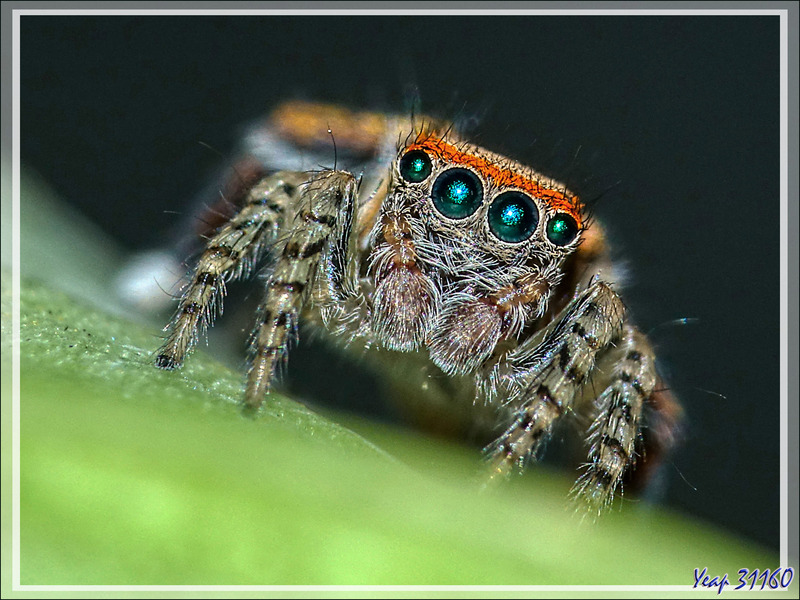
(415, 166)
(513, 217)
(457, 193)
(562, 229)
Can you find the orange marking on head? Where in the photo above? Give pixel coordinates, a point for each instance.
(555, 199)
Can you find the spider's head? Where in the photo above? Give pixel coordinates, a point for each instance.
(468, 248)
(500, 206)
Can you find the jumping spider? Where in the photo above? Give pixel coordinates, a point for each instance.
(484, 269)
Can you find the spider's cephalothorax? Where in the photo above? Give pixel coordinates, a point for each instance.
(486, 268)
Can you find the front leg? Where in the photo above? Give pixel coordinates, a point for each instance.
(321, 214)
(615, 433)
(550, 375)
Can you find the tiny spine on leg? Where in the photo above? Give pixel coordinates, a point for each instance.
(231, 253)
(315, 214)
(615, 433)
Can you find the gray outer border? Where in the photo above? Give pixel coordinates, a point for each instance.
(793, 158)
(793, 354)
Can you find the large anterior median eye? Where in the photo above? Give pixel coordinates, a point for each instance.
(415, 166)
(457, 193)
(561, 229)
(513, 217)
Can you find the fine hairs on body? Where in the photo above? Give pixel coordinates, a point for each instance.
(483, 272)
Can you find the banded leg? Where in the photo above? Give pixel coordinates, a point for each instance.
(616, 432)
(231, 253)
(324, 205)
(556, 373)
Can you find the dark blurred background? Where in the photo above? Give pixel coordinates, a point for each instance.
(672, 121)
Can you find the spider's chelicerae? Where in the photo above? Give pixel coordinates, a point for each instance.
(484, 270)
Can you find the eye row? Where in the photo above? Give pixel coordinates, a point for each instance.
(457, 193)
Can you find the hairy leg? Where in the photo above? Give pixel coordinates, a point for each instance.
(615, 434)
(554, 372)
(325, 202)
(230, 253)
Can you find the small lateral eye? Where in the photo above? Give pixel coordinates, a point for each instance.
(513, 217)
(457, 193)
(561, 229)
(415, 166)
